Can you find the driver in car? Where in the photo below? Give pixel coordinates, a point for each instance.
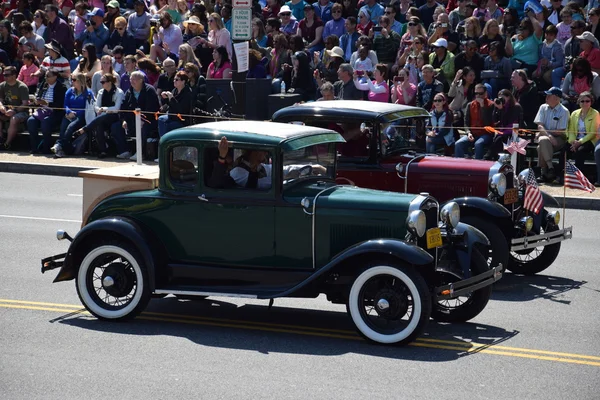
(250, 171)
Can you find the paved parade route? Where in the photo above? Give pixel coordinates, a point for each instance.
(537, 338)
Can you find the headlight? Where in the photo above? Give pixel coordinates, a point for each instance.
(416, 223)
(554, 216)
(523, 175)
(450, 214)
(526, 223)
(504, 158)
(498, 184)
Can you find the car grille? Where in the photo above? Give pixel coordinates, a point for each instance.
(430, 207)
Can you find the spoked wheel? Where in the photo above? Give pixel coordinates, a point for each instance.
(534, 260)
(112, 282)
(463, 308)
(389, 304)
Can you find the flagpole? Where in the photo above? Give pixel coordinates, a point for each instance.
(564, 191)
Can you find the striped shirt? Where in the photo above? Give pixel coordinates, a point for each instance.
(60, 65)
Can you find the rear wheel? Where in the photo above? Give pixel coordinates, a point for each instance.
(498, 251)
(463, 308)
(112, 281)
(389, 304)
(536, 259)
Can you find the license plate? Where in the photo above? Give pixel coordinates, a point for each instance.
(434, 238)
(511, 196)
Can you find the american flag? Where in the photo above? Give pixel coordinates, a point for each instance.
(533, 196)
(574, 179)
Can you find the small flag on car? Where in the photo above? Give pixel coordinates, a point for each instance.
(575, 179)
(533, 197)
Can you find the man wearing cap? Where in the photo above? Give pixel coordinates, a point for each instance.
(95, 32)
(344, 87)
(589, 50)
(138, 24)
(289, 25)
(112, 12)
(442, 60)
(296, 7)
(59, 30)
(375, 10)
(551, 120)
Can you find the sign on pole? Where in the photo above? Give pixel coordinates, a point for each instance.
(241, 3)
(241, 56)
(241, 25)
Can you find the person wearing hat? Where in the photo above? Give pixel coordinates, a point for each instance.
(120, 37)
(138, 25)
(289, 25)
(296, 7)
(112, 12)
(442, 60)
(589, 50)
(59, 30)
(552, 120)
(95, 32)
(55, 61)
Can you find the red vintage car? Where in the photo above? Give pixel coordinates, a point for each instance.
(383, 152)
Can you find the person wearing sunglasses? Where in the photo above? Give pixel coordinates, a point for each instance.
(14, 98)
(581, 78)
(120, 36)
(178, 102)
(336, 25)
(479, 113)
(289, 24)
(439, 130)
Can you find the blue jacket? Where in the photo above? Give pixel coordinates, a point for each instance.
(323, 12)
(344, 42)
(76, 104)
(99, 37)
(333, 27)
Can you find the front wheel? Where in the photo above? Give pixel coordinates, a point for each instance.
(463, 308)
(389, 304)
(112, 282)
(534, 260)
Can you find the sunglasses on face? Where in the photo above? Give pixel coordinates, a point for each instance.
(412, 24)
(118, 58)
(585, 101)
(285, 14)
(177, 79)
(120, 29)
(388, 13)
(438, 101)
(479, 93)
(103, 82)
(336, 12)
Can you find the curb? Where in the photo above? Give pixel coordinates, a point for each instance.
(578, 203)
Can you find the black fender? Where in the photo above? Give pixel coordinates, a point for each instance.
(403, 251)
(549, 200)
(487, 209)
(461, 240)
(121, 226)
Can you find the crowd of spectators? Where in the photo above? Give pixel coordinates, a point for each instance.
(474, 64)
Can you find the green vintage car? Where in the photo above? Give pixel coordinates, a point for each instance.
(394, 259)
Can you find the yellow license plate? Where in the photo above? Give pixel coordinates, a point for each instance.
(434, 238)
(511, 196)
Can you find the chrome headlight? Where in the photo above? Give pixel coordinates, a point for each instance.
(399, 168)
(526, 223)
(523, 175)
(450, 214)
(554, 217)
(498, 184)
(504, 158)
(416, 223)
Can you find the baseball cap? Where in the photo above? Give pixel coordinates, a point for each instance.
(440, 43)
(554, 91)
(96, 12)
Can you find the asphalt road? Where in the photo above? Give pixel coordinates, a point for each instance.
(538, 337)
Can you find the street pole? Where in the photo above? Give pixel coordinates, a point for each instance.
(138, 135)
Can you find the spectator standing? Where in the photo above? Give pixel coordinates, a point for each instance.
(348, 40)
(525, 92)
(74, 119)
(138, 25)
(428, 87)
(120, 37)
(220, 68)
(106, 67)
(378, 88)
(552, 120)
(178, 102)
(218, 35)
(169, 37)
(95, 32)
(311, 29)
(14, 98)
(279, 54)
(51, 99)
(386, 43)
(28, 73)
(403, 91)
(335, 26)
(59, 30)
(143, 96)
(323, 10)
(112, 13)
(439, 130)
(507, 112)
(344, 87)
(479, 114)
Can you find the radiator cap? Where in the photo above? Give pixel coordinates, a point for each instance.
(424, 194)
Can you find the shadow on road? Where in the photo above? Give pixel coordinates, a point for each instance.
(288, 330)
(526, 288)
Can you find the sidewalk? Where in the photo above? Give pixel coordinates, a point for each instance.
(25, 163)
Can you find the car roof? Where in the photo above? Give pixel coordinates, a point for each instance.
(251, 132)
(367, 110)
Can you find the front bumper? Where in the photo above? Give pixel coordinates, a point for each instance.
(546, 239)
(466, 286)
(53, 262)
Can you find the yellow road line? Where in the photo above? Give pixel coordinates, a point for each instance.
(468, 347)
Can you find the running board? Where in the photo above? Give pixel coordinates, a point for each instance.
(207, 294)
(546, 239)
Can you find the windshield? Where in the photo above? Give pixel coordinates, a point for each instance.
(311, 161)
(402, 134)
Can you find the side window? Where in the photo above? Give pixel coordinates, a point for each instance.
(243, 168)
(183, 165)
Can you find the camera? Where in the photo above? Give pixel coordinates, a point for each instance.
(500, 101)
(88, 23)
(528, 10)
(154, 22)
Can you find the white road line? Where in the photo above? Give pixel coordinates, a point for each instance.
(39, 218)
(74, 195)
